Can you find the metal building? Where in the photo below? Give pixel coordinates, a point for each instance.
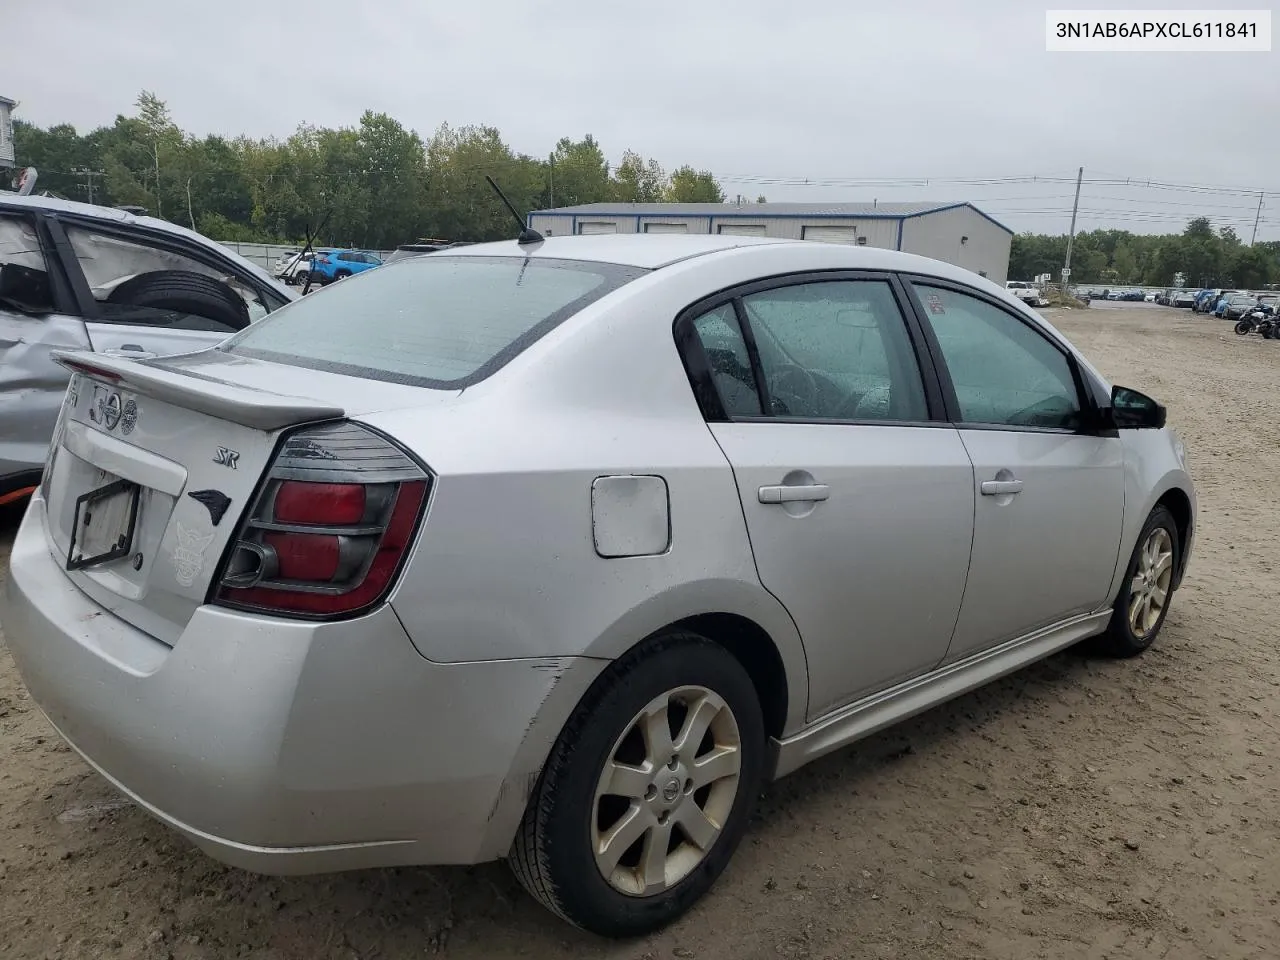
(958, 233)
(7, 146)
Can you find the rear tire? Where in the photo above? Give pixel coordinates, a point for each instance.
(342, 274)
(1145, 592)
(1243, 327)
(630, 825)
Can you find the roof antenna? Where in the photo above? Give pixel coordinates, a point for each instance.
(527, 233)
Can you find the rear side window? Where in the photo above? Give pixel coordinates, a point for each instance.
(443, 322)
(729, 360)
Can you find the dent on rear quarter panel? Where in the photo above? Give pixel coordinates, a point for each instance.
(32, 385)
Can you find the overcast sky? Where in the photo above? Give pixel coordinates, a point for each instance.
(748, 89)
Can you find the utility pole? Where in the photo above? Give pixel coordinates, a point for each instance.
(1256, 218)
(88, 178)
(1071, 237)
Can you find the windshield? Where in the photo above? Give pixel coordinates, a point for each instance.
(432, 321)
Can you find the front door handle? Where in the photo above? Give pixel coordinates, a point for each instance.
(795, 493)
(1001, 488)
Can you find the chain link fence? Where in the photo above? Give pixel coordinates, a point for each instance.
(266, 254)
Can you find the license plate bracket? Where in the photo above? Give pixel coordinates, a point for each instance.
(103, 524)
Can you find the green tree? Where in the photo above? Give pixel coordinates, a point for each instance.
(580, 172)
(163, 141)
(460, 204)
(1125, 264)
(693, 186)
(1252, 268)
(636, 180)
(394, 168)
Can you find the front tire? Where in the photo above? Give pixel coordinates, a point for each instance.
(1243, 327)
(648, 790)
(1146, 591)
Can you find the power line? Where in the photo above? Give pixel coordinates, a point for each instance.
(88, 176)
(1134, 182)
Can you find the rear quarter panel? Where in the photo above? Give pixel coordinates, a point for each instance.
(506, 564)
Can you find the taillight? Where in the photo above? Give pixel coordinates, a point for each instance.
(69, 399)
(330, 528)
(322, 259)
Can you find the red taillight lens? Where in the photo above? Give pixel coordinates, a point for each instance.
(331, 527)
(322, 259)
(305, 556)
(300, 501)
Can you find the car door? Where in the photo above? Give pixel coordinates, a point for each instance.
(147, 295)
(858, 497)
(1049, 489)
(37, 316)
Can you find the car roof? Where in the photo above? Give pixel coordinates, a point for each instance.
(645, 250)
(654, 251)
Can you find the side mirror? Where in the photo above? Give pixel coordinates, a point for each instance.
(1131, 410)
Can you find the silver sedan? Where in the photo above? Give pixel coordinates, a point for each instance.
(556, 551)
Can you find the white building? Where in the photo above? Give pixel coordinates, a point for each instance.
(958, 233)
(7, 148)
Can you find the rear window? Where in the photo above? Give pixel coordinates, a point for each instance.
(432, 321)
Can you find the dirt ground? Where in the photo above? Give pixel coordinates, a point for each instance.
(1077, 809)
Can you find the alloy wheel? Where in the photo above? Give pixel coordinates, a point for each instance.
(1149, 589)
(666, 791)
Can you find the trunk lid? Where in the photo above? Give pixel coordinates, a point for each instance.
(176, 449)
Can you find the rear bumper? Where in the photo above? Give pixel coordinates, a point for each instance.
(287, 747)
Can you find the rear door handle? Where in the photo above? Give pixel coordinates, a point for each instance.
(1001, 488)
(794, 493)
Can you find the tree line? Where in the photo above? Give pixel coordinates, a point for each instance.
(374, 185)
(379, 184)
(1204, 258)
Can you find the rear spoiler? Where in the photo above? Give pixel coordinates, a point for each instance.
(226, 401)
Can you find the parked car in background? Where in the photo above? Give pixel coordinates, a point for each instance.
(79, 277)
(1028, 293)
(1184, 298)
(331, 265)
(282, 261)
(556, 552)
(422, 247)
(1205, 300)
(1237, 305)
(293, 268)
(1150, 297)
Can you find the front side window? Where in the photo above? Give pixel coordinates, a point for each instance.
(136, 281)
(442, 322)
(1005, 373)
(24, 275)
(836, 350)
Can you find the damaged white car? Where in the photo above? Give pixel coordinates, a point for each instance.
(78, 276)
